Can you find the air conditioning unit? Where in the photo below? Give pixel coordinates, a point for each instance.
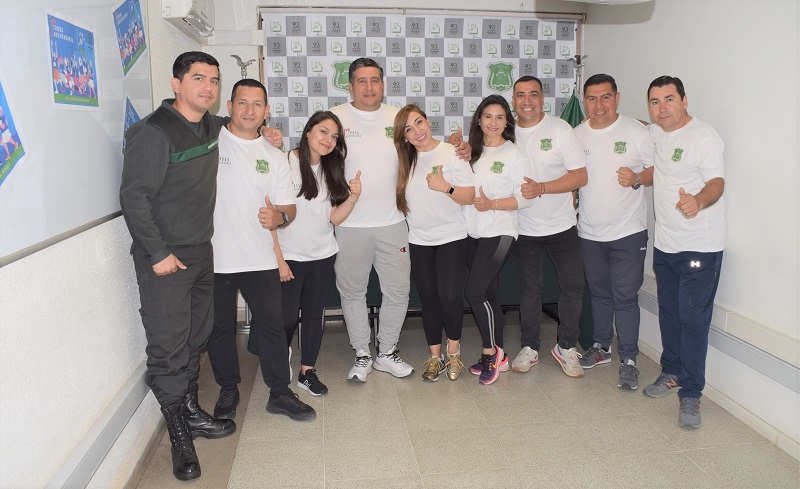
(194, 17)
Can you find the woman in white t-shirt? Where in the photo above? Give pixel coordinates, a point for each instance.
(307, 247)
(499, 168)
(432, 185)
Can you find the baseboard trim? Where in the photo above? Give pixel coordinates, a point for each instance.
(759, 360)
(762, 427)
(80, 466)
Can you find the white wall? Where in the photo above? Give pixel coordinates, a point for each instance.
(71, 338)
(739, 62)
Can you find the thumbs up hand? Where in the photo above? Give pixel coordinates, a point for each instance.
(436, 180)
(269, 217)
(483, 203)
(687, 204)
(355, 185)
(531, 188)
(463, 149)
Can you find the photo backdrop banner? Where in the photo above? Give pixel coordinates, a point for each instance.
(445, 63)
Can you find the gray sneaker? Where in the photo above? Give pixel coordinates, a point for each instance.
(689, 416)
(595, 355)
(628, 375)
(664, 384)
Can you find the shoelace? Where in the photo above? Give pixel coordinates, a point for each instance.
(665, 379)
(394, 356)
(690, 406)
(432, 364)
(486, 363)
(362, 361)
(454, 363)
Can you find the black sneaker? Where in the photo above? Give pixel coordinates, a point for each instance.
(291, 405)
(310, 382)
(227, 402)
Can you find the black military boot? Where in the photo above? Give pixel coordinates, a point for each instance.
(185, 465)
(201, 423)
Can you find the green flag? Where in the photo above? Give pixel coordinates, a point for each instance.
(572, 112)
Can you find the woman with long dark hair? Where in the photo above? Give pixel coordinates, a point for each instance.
(499, 168)
(307, 245)
(432, 185)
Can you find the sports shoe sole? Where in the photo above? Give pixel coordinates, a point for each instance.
(295, 416)
(503, 368)
(601, 362)
(628, 385)
(389, 371)
(659, 395)
(524, 368)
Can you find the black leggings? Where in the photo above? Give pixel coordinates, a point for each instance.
(308, 291)
(486, 257)
(439, 273)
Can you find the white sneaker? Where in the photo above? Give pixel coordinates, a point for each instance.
(526, 358)
(361, 367)
(392, 363)
(569, 360)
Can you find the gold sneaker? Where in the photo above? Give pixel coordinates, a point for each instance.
(454, 365)
(433, 368)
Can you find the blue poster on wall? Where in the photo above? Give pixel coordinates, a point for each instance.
(131, 116)
(11, 149)
(130, 33)
(74, 68)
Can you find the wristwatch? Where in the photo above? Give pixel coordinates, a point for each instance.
(285, 219)
(638, 182)
(451, 190)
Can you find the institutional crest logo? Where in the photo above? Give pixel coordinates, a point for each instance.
(501, 77)
(389, 132)
(497, 167)
(676, 156)
(619, 147)
(262, 166)
(341, 77)
(546, 144)
(435, 170)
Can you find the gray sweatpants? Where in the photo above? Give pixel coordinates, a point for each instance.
(386, 248)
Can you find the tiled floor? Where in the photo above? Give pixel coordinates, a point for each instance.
(541, 429)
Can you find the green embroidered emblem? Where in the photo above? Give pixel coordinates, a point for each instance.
(676, 156)
(262, 166)
(390, 132)
(497, 167)
(501, 77)
(619, 147)
(341, 77)
(435, 170)
(546, 144)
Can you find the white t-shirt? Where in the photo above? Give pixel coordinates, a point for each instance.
(688, 158)
(500, 171)
(553, 149)
(310, 236)
(370, 148)
(608, 211)
(433, 217)
(249, 170)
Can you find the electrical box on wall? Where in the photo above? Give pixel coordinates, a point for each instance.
(194, 17)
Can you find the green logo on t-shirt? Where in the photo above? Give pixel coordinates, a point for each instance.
(497, 167)
(676, 156)
(546, 144)
(262, 166)
(619, 147)
(390, 132)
